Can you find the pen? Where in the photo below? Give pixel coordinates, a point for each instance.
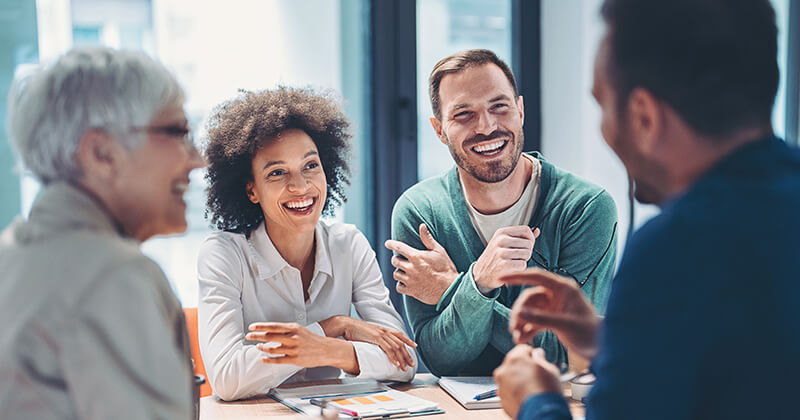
(485, 395)
(324, 403)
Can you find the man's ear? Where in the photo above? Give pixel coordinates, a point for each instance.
(251, 194)
(98, 155)
(645, 120)
(521, 106)
(437, 127)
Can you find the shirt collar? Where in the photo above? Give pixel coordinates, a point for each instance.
(270, 262)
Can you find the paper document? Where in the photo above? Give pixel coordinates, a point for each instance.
(464, 389)
(368, 398)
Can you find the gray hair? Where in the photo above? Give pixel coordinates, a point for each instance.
(51, 109)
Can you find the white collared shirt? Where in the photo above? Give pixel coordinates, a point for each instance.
(245, 280)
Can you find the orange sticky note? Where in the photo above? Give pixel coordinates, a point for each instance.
(364, 400)
(343, 402)
(382, 398)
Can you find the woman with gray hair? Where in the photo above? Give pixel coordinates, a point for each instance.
(93, 329)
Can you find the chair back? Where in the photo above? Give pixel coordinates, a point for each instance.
(199, 367)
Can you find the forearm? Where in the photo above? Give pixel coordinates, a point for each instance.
(455, 332)
(240, 373)
(375, 364)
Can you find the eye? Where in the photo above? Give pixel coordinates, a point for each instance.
(500, 107)
(174, 131)
(312, 165)
(463, 115)
(277, 172)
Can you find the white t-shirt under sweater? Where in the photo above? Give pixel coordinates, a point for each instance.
(518, 214)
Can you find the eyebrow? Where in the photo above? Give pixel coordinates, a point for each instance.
(498, 98)
(280, 162)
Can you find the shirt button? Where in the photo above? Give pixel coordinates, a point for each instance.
(300, 317)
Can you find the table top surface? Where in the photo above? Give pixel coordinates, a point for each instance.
(423, 386)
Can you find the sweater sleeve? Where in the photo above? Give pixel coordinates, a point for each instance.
(456, 330)
(589, 247)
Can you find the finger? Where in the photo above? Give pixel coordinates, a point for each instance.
(514, 243)
(400, 286)
(402, 350)
(387, 348)
(269, 336)
(536, 232)
(427, 237)
(401, 277)
(404, 338)
(522, 254)
(538, 356)
(520, 351)
(539, 277)
(279, 350)
(276, 327)
(522, 231)
(400, 248)
(557, 322)
(281, 360)
(401, 263)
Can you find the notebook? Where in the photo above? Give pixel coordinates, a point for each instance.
(368, 398)
(464, 389)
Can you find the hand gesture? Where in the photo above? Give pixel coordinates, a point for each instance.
(507, 252)
(422, 274)
(524, 372)
(392, 342)
(557, 304)
(300, 347)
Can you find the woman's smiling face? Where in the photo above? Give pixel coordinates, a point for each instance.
(288, 182)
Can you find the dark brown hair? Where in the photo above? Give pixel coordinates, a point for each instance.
(459, 62)
(238, 127)
(713, 61)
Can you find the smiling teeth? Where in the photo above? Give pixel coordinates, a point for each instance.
(489, 147)
(299, 204)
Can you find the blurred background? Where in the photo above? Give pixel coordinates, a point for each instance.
(377, 54)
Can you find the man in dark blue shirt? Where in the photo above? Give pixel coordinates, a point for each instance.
(702, 321)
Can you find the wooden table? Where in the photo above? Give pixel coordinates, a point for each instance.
(423, 386)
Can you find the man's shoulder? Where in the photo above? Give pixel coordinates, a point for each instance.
(427, 196)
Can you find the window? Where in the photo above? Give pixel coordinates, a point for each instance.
(443, 28)
(214, 49)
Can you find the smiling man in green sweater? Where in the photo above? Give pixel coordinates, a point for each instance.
(497, 211)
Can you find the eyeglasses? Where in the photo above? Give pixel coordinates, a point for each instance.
(173, 131)
(541, 261)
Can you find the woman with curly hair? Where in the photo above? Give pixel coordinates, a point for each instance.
(277, 161)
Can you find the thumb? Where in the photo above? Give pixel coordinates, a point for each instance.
(427, 237)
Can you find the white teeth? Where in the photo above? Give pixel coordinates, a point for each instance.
(299, 204)
(180, 187)
(489, 147)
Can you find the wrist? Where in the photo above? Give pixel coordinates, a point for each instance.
(344, 355)
(334, 326)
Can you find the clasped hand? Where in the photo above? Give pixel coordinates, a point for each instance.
(507, 252)
(422, 274)
(299, 346)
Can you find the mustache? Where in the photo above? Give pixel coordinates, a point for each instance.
(496, 134)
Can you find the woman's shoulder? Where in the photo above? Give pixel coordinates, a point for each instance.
(341, 234)
(224, 243)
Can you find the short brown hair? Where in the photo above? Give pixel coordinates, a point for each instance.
(459, 62)
(238, 127)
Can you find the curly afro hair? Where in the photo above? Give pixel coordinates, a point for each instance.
(238, 127)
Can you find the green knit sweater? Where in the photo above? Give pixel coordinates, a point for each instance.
(466, 333)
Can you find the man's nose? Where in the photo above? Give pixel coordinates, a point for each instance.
(486, 123)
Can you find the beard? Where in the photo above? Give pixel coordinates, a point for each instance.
(494, 171)
(644, 173)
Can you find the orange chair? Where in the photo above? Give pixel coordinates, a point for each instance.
(199, 367)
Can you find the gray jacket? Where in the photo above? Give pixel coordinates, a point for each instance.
(91, 328)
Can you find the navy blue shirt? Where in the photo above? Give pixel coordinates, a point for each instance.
(703, 320)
